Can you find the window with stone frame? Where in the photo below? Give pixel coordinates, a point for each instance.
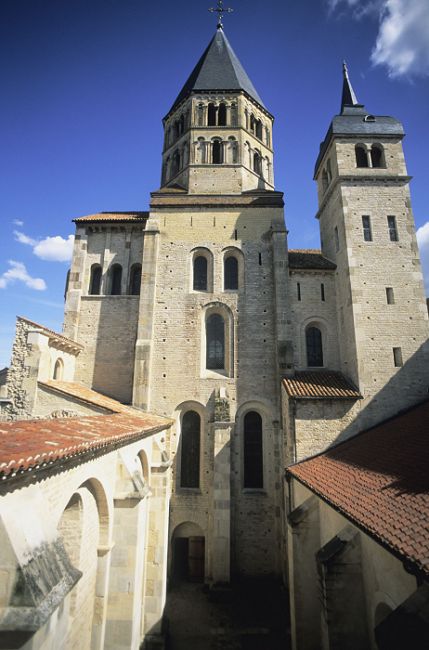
(190, 450)
(314, 347)
(95, 280)
(230, 273)
(115, 280)
(393, 231)
(366, 227)
(253, 474)
(135, 279)
(200, 273)
(215, 342)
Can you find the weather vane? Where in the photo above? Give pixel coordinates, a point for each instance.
(220, 10)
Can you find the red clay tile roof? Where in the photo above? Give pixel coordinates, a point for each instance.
(379, 480)
(309, 258)
(88, 395)
(34, 444)
(52, 334)
(320, 384)
(105, 217)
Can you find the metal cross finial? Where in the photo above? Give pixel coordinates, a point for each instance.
(220, 10)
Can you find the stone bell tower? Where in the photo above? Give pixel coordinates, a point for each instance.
(367, 228)
(218, 133)
(212, 319)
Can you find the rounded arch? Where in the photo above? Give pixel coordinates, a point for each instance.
(233, 274)
(58, 373)
(104, 507)
(217, 339)
(115, 280)
(221, 114)
(145, 466)
(201, 272)
(187, 529)
(135, 280)
(217, 151)
(378, 160)
(257, 162)
(361, 155)
(95, 280)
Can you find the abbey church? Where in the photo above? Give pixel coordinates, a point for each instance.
(219, 407)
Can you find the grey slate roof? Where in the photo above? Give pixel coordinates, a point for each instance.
(310, 259)
(218, 69)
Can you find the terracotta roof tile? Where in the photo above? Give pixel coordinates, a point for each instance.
(88, 395)
(52, 334)
(26, 445)
(379, 480)
(105, 217)
(309, 258)
(320, 384)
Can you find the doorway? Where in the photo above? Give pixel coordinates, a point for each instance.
(188, 559)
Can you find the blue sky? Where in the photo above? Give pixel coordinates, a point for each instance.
(86, 83)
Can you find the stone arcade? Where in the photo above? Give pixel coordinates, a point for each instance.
(252, 356)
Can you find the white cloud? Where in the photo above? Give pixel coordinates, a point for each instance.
(18, 272)
(402, 43)
(18, 222)
(52, 249)
(423, 242)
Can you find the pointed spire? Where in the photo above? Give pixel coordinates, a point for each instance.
(348, 97)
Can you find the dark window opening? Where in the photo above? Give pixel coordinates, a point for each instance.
(377, 156)
(200, 274)
(252, 123)
(253, 457)
(230, 271)
(259, 129)
(298, 290)
(393, 232)
(211, 115)
(135, 279)
(181, 124)
(190, 452)
(366, 225)
(215, 342)
(58, 369)
(115, 280)
(260, 259)
(322, 292)
(397, 357)
(95, 281)
(337, 239)
(390, 296)
(217, 152)
(221, 116)
(257, 168)
(361, 157)
(176, 163)
(313, 341)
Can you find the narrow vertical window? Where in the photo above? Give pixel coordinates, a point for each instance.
(361, 156)
(58, 369)
(200, 274)
(135, 279)
(115, 280)
(390, 296)
(211, 121)
(298, 290)
(253, 453)
(190, 451)
(393, 232)
(215, 342)
(257, 168)
(230, 273)
(377, 157)
(313, 341)
(366, 225)
(337, 239)
(95, 280)
(397, 357)
(221, 116)
(322, 292)
(217, 152)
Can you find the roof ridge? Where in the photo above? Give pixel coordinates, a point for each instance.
(49, 331)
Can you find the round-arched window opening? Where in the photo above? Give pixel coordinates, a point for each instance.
(313, 342)
(361, 156)
(215, 342)
(230, 273)
(200, 273)
(58, 369)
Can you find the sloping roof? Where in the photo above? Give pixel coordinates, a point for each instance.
(53, 335)
(348, 97)
(125, 217)
(84, 394)
(310, 259)
(218, 69)
(379, 480)
(320, 384)
(31, 444)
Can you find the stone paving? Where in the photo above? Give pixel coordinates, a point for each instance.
(247, 616)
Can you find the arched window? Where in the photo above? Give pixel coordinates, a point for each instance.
(211, 121)
(232, 150)
(377, 157)
(181, 124)
(215, 342)
(313, 342)
(177, 128)
(324, 180)
(257, 163)
(135, 279)
(361, 156)
(246, 118)
(200, 151)
(95, 280)
(200, 273)
(267, 136)
(329, 171)
(230, 273)
(190, 452)
(259, 129)
(253, 458)
(221, 116)
(234, 116)
(58, 369)
(252, 123)
(217, 152)
(115, 280)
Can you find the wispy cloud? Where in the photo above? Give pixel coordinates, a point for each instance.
(423, 242)
(52, 249)
(403, 36)
(18, 222)
(18, 273)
